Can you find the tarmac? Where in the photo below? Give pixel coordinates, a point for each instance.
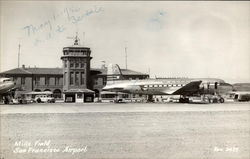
(125, 131)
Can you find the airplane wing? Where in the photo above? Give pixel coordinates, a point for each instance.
(189, 89)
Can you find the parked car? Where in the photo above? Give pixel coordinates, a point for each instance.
(14, 101)
(44, 99)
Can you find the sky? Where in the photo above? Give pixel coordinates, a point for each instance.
(166, 39)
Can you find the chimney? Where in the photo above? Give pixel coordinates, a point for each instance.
(23, 66)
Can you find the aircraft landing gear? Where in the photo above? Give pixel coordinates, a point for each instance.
(150, 99)
(221, 100)
(184, 100)
(216, 99)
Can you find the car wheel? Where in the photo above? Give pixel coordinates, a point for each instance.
(222, 100)
(38, 100)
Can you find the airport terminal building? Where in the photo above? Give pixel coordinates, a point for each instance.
(76, 81)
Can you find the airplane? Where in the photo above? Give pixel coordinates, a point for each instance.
(5, 86)
(185, 87)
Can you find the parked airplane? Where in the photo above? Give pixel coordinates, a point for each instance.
(5, 85)
(185, 87)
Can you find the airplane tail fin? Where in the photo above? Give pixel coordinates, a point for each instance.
(114, 74)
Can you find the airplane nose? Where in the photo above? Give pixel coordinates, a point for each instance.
(13, 83)
(225, 87)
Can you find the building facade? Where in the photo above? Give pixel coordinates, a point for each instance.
(76, 81)
(36, 79)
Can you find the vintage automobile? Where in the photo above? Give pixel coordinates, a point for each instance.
(44, 99)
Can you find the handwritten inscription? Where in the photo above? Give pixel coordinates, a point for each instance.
(58, 23)
(155, 23)
(44, 146)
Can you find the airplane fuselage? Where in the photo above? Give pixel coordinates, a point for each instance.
(169, 86)
(5, 85)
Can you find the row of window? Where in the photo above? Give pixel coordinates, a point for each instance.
(77, 53)
(37, 80)
(22, 80)
(76, 78)
(47, 81)
(76, 50)
(164, 85)
(74, 65)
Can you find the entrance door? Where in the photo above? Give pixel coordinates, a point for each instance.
(88, 98)
(70, 98)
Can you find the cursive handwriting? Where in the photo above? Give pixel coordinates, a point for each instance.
(58, 23)
(155, 23)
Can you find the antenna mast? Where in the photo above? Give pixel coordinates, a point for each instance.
(149, 72)
(19, 48)
(83, 38)
(126, 57)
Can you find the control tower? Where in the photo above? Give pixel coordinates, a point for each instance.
(76, 72)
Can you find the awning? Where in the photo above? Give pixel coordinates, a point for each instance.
(73, 91)
(44, 92)
(108, 92)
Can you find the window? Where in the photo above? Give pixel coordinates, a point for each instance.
(47, 80)
(71, 78)
(64, 77)
(71, 64)
(155, 85)
(82, 78)
(37, 80)
(77, 65)
(96, 81)
(56, 81)
(77, 76)
(65, 64)
(165, 85)
(22, 80)
(66, 53)
(160, 85)
(104, 81)
(14, 79)
(82, 65)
